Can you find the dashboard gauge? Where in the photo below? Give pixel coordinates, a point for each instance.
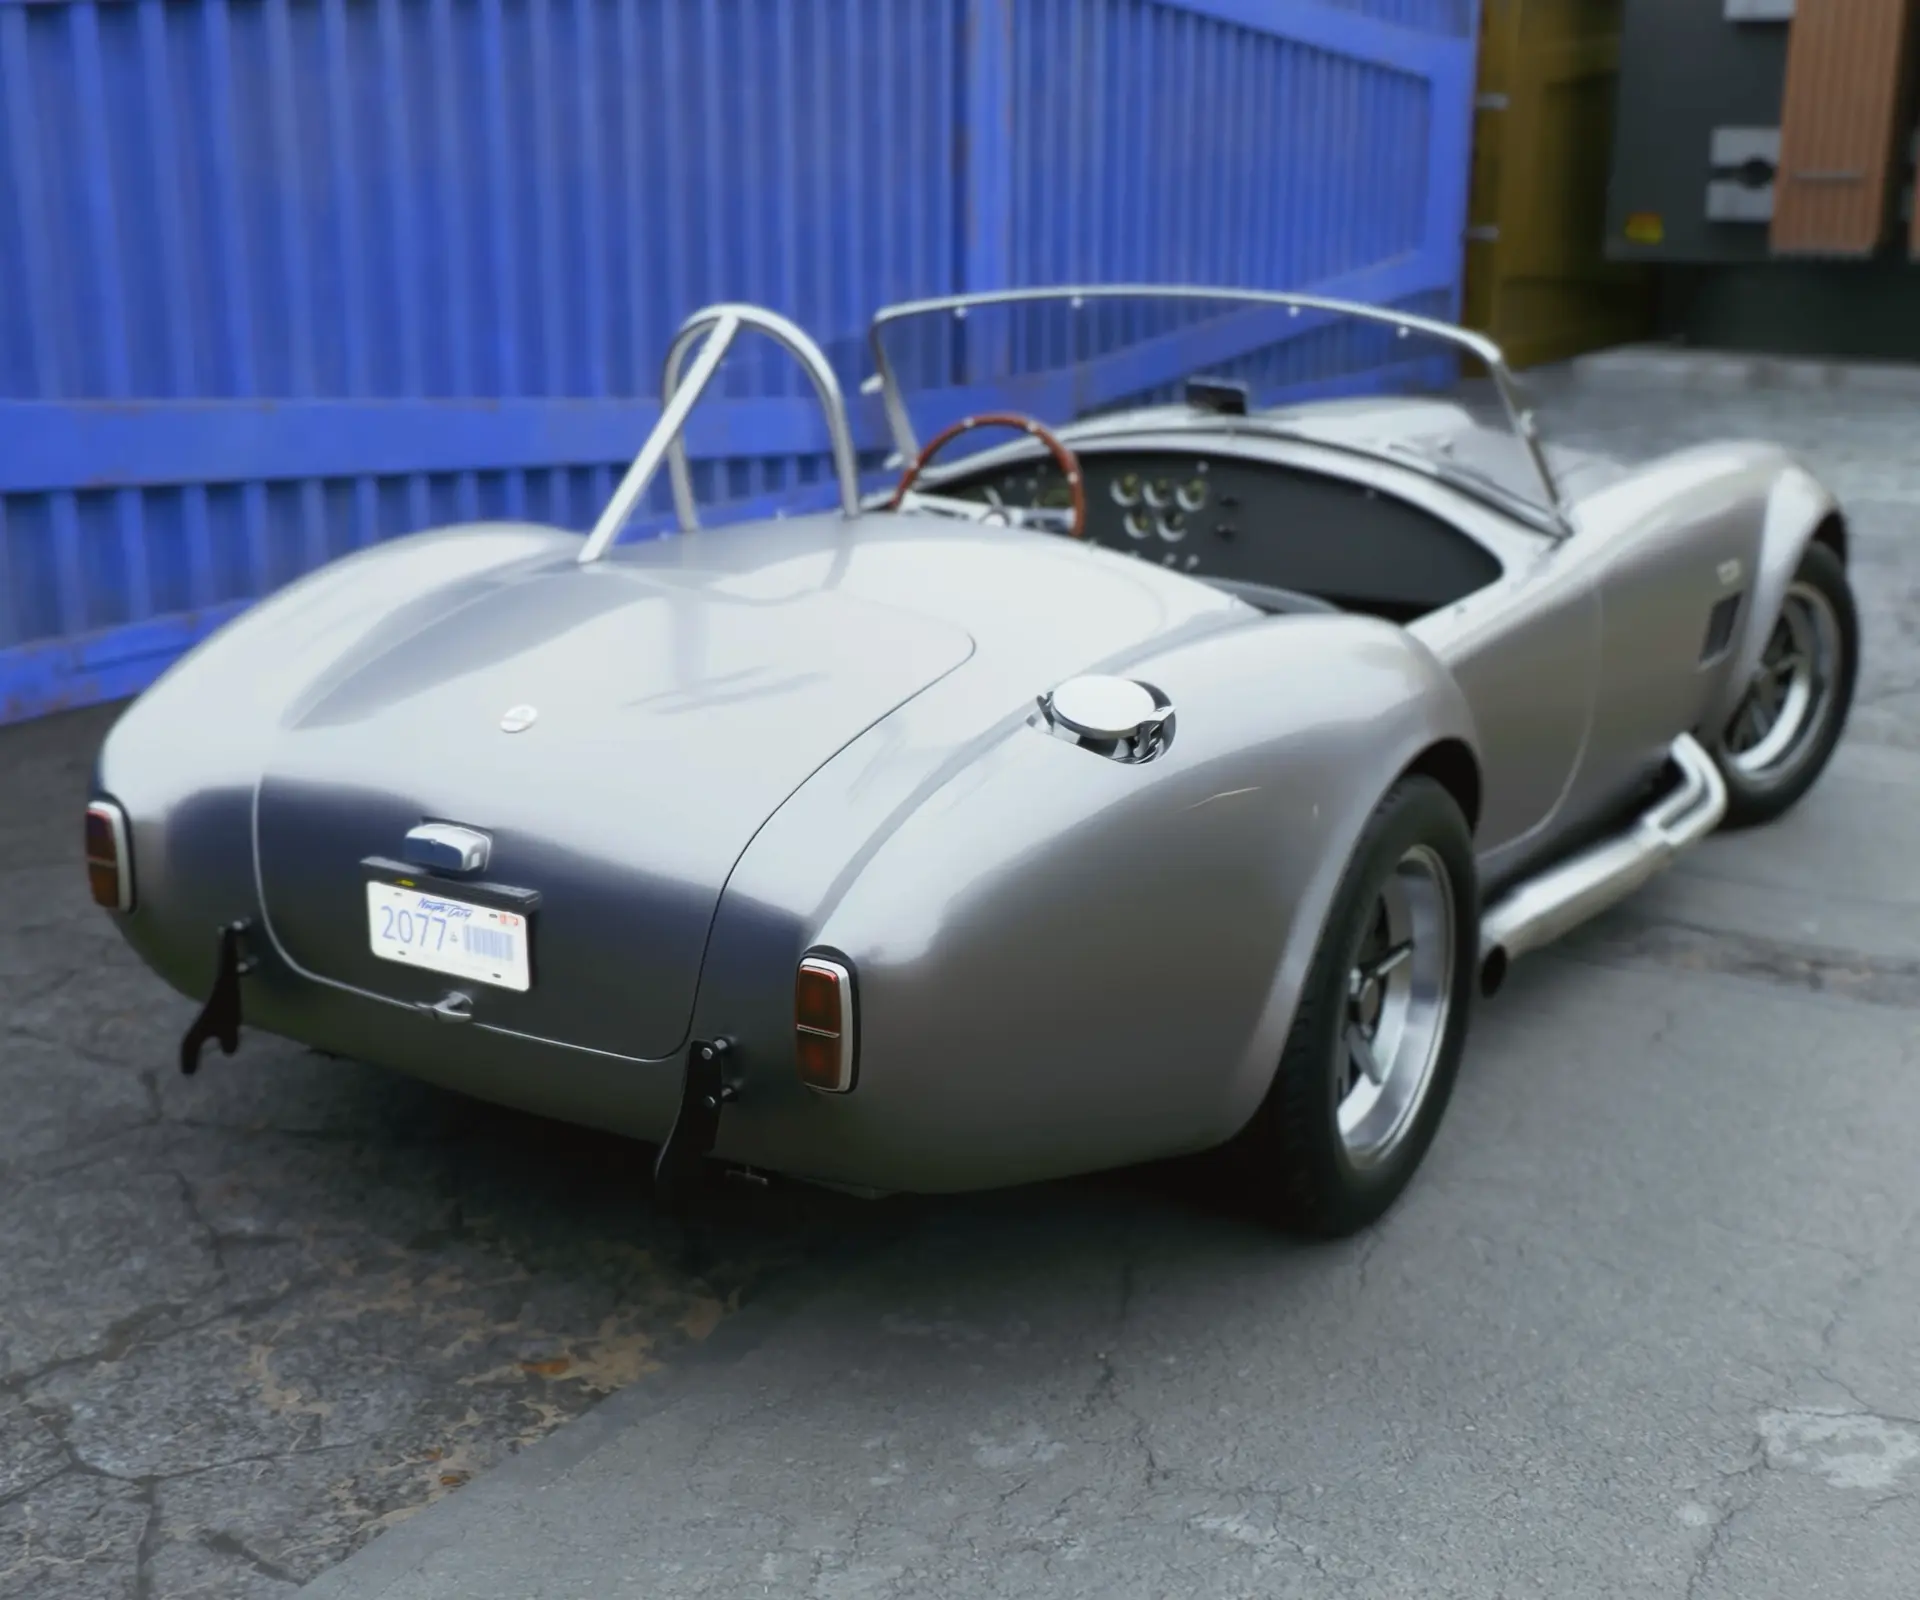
(1159, 493)
(1173, 526)
(1139, 523)
(1126, 489)
(1193, 494)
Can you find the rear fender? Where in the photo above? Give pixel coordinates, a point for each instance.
(1066, 963)
(1430, 732)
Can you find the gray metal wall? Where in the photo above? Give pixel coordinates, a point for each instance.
(1699, 100)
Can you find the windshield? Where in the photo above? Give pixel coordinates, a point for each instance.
(1072, 354)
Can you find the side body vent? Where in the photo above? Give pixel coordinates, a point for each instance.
(1720, 623)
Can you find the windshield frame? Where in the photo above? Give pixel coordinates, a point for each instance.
(1519, 415)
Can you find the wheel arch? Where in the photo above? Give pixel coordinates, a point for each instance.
(1451, 763)
(1798, 511)
(1834, 534)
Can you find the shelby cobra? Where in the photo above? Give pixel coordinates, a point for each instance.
(942, 841)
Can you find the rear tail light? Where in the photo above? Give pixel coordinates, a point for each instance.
(823, 1026)
(109, 867)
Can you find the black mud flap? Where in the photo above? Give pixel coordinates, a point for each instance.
(703, 1093)
(219, 1018)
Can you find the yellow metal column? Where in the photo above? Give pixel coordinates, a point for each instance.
(1537, 280)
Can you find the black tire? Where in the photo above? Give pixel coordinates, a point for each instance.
(1818, 598)
(1292, 1163)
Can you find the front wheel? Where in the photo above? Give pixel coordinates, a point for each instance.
(1781, 735)
(1369, 1065)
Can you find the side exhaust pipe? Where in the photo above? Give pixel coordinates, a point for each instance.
(1542, 909)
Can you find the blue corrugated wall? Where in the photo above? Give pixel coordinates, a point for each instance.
(279, 278)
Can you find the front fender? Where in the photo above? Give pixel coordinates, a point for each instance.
(1796, 507)
(1066, 963)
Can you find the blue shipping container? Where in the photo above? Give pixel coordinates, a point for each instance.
(279, 278)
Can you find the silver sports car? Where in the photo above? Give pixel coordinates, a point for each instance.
(1168, 781)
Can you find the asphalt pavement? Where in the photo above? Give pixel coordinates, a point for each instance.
(253, 1318)
(1644, 1326)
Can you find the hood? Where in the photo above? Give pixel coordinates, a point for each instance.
(671, 717)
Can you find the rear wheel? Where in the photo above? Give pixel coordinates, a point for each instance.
(1781, 735)
(1370, 1063)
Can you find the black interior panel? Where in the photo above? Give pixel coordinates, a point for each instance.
(1253, 525)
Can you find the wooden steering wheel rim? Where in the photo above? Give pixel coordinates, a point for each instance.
(1065, 459)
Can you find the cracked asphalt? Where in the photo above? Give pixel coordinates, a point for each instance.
(1645, 1325)
(250, 1319)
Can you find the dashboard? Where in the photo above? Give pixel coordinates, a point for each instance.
(1237, 521)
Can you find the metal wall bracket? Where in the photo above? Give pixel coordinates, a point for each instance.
(703, 1093)
(1744, 162)
(219, 1018)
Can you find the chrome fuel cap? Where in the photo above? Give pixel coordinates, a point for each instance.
(1110, 710)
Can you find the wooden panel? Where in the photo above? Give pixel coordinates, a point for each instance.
(1538, 281)
(1842, 119)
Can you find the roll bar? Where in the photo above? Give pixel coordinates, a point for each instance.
(714, 328)
(1483, 349)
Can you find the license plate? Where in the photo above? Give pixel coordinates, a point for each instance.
(456, 937)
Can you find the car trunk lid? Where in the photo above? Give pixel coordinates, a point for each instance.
(665, 720)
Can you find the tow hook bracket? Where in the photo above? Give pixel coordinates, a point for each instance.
(219, 1018)
(704, 1091)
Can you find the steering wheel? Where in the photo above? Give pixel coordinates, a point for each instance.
(1068, 462)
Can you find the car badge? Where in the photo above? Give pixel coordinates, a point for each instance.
(518, 719)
